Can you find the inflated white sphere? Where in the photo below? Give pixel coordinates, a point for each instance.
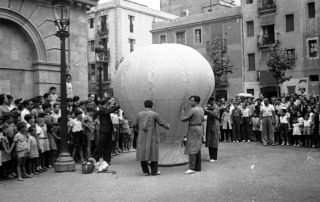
(168, 74)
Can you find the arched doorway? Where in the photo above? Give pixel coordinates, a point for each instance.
(17, 53)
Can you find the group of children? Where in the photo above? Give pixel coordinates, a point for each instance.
(27, 147)
(30, 132)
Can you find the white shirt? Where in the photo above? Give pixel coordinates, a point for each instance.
(283, 119)
(24, 113)
(245, 112)
(307, 123)
(267, 110)
(76, 125)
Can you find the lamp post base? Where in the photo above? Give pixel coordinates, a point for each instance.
(64, 163)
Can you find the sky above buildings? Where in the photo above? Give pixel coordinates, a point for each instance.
(153, 3)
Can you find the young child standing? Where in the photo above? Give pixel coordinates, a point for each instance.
(43, 145)
(296, 133)
(9, 130)
(89, 129)
(33, 155)
(284, 127)
(307, 130)
(226, 124)
(22, 148)
(300, 120)
(255, 127)
(5, 156)
(78, 136)
(125, 129)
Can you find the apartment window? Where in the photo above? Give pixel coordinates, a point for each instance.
(91, 46)
(291, 89)
(267, 2)
(131, 19)
(250, 28)
(180, 37)
(311, 10)
(268, 36)
(197, 36)
(289, 23)
(132, 42)
(252, 62)
(250, 91)
(314, 77)
(105, 72)
(292, 54)
(103, 23)
(249, 1)
(93, 69)
(91, 22)
(313, 51)
(104, 42)
(163, 39)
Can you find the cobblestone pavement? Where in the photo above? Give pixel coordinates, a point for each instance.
(243, 172)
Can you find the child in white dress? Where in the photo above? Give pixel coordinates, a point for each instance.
(296, 133)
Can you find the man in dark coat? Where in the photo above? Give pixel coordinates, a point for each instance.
(104, 147)
(148, 138)
(212, 129)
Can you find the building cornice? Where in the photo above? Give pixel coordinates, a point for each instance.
(169, 25)
(222, 14)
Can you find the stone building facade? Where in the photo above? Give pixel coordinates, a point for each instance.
(294, 25)
(120, 26)
(192, 7)
(30, 51)
(197, 30)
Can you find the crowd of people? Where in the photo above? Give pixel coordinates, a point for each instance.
(30, 132)
(291, 120)
(30, 129)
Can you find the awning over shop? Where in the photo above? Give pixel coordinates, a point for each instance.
(266, 78)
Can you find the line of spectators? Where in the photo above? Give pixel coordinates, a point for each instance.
(291, 120)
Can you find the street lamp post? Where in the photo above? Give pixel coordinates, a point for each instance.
(61, 9)
(100, 56)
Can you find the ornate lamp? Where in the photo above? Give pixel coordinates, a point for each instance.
(61, 9)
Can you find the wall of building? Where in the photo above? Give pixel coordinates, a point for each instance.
(303, 28)
(118, 13)
(30, 62)
(226, 24)
(192, 7)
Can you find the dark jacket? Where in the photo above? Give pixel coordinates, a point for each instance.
(213, 128)
(105, 119)
(316, 123)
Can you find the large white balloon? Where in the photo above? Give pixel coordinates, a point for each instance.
(168, 74)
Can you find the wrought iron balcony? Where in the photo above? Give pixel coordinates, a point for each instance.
(266, 6)
(264, 41)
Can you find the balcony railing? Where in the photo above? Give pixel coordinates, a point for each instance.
(266, 6)
(267, 41)
(102, 29)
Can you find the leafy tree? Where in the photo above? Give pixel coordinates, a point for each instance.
(219, 60)
(279, 62)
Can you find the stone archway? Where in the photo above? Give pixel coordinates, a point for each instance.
(21, 46)
(30, 31)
